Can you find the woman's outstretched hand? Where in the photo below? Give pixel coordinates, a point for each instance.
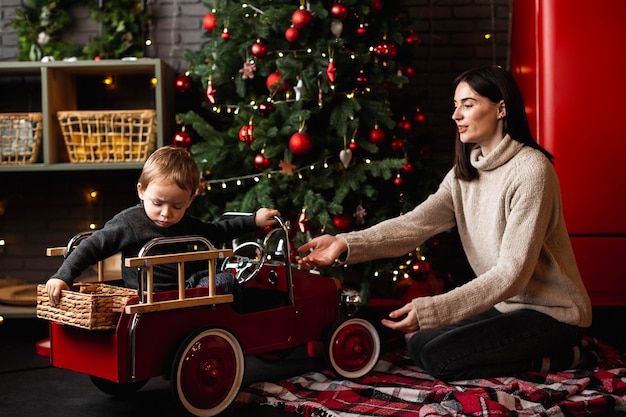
(323, 251)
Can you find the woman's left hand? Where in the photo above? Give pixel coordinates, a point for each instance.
(408, 324)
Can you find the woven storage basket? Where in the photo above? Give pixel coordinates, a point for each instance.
(20, 138)
(108, 136)
(95, 306)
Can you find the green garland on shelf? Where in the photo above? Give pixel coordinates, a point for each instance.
(39, 25)
(43, 26)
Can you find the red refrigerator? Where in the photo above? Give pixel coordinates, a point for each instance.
(568, 58)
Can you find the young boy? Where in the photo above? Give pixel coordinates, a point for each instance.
(167, 186)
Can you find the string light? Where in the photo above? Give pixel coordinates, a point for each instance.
(239, 180)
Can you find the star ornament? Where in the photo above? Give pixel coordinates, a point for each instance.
(286, 167)
(303, 222)
(330, 71)
(210, 92)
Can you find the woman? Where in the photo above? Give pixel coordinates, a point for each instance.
(527, 308)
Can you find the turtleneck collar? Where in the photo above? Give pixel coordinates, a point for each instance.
(506, 149)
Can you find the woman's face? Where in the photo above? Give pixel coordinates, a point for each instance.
(164, 202)
(477, 118)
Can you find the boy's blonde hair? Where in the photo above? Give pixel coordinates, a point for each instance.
(171, 163)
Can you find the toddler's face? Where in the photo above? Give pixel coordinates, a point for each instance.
(164, 202)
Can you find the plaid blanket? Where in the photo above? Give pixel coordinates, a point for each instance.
(398, 388)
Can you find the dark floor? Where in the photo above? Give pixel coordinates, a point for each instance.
(29, 386)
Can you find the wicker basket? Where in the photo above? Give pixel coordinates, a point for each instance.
(108, 136)
(95, 306)
(20, 138)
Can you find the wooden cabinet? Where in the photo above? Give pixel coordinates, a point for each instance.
(85, 85)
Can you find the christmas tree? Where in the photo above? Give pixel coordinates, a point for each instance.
(304, 107)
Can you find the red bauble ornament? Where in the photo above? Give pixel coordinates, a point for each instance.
(396, 145)
(182, 139)
(292, 34)
(266, 108)
(246, 134)
(405, 125)
(377, 5)
(377, 136)
(420, 117)
(409, 71)
(361, 30)
(342, 222)
(274, 83)
(225, 34)
(408, 168)
(301, 18)
(420, 267)
(209, 22)
(386, 50)
(261, 162)
(340, 11)
(183, 83)
(361, 79)
(353, 146)
(411, 38)
(259, 49)
(398, 181)
(300, 143)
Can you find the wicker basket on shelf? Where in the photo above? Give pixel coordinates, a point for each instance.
(95, 306)
(20, 138)
(108, 136)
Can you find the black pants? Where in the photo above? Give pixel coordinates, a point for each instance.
(494, 344)
(223, 280)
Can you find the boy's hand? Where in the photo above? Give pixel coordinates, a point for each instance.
(54, 286)
(265, 217)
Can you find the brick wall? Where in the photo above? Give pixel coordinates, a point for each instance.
(40, 210)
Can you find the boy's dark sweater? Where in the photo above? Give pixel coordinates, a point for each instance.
(130, 229)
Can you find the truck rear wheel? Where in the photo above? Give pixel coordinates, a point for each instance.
(207, 372)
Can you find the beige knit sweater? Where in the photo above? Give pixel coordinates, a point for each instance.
(513, 232)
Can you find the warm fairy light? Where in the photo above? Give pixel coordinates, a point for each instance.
(488, 36)
(93, 194)
(108, 80)
(153, 81)
(92, 226)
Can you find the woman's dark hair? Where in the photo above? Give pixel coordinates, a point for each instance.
(495, 84)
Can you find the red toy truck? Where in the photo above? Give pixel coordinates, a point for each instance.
(198, 339)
